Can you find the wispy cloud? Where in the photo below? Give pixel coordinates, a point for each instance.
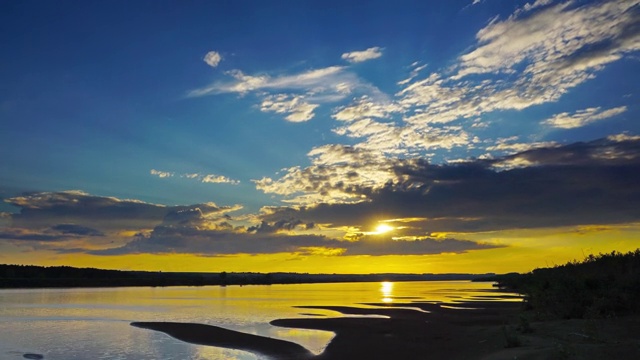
(581, 118)
(212, 58)
(364, 55)
(205, 178)
(320, 80)
(296, 95)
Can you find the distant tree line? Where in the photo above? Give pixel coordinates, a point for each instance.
(601, 285)
(27, 276)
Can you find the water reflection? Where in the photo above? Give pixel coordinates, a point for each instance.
(94, 323)
(386, 288)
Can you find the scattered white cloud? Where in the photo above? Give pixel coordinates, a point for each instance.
(213, 58)
(623, 137)
(210, 178)
(556, 44)
(296, 95)
(365, 107)
(161, 174)
(581, 118)
(360, 56)
(205, 178)
(296, 107)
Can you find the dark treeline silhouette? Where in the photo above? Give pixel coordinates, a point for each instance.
(27, 276)
(603, 285)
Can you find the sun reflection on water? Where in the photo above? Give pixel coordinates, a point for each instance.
(386, 288)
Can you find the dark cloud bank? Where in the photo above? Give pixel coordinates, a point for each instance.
(596, 182)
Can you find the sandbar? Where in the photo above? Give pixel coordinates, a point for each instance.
(425, 330)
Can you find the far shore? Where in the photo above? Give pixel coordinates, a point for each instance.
(29, 277)
(487, 330)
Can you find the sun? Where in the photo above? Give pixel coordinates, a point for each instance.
(383, 228)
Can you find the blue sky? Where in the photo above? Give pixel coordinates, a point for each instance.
(273, 115)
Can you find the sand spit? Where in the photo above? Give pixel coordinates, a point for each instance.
(486, 330)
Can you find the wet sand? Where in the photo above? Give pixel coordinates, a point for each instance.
(469, 330)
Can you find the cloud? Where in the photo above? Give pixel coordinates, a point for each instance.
(77, 211)
(47, 237)
(525, 61)
(73, 229)
(211, 178)
(596, 182)
(18, 234)
(335, 171)
(296, 95)
(298, 109)
(509, 145)
(103, 226)
(530, 6)
(360, 56)
(212, 58)
(161, 174)
(365, 107)
(581, 118)
(187, 236)
(617, 150)
(205, 178)
(583, 183)
(320, 80)
(555, 40)
(623, 137)
(417, 68)
(532, 57)
(216, 243)
(549, 52)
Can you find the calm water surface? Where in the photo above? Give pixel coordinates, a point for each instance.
(64, 324)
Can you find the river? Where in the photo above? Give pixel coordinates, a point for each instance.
(63, 324)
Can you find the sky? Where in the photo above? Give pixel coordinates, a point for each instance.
(318, 136)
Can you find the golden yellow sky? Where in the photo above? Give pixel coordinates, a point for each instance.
(524, 251)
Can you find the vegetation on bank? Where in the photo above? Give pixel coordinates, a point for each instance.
(26, 276)
(601, 285)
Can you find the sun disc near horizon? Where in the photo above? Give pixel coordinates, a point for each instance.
(383, 228)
